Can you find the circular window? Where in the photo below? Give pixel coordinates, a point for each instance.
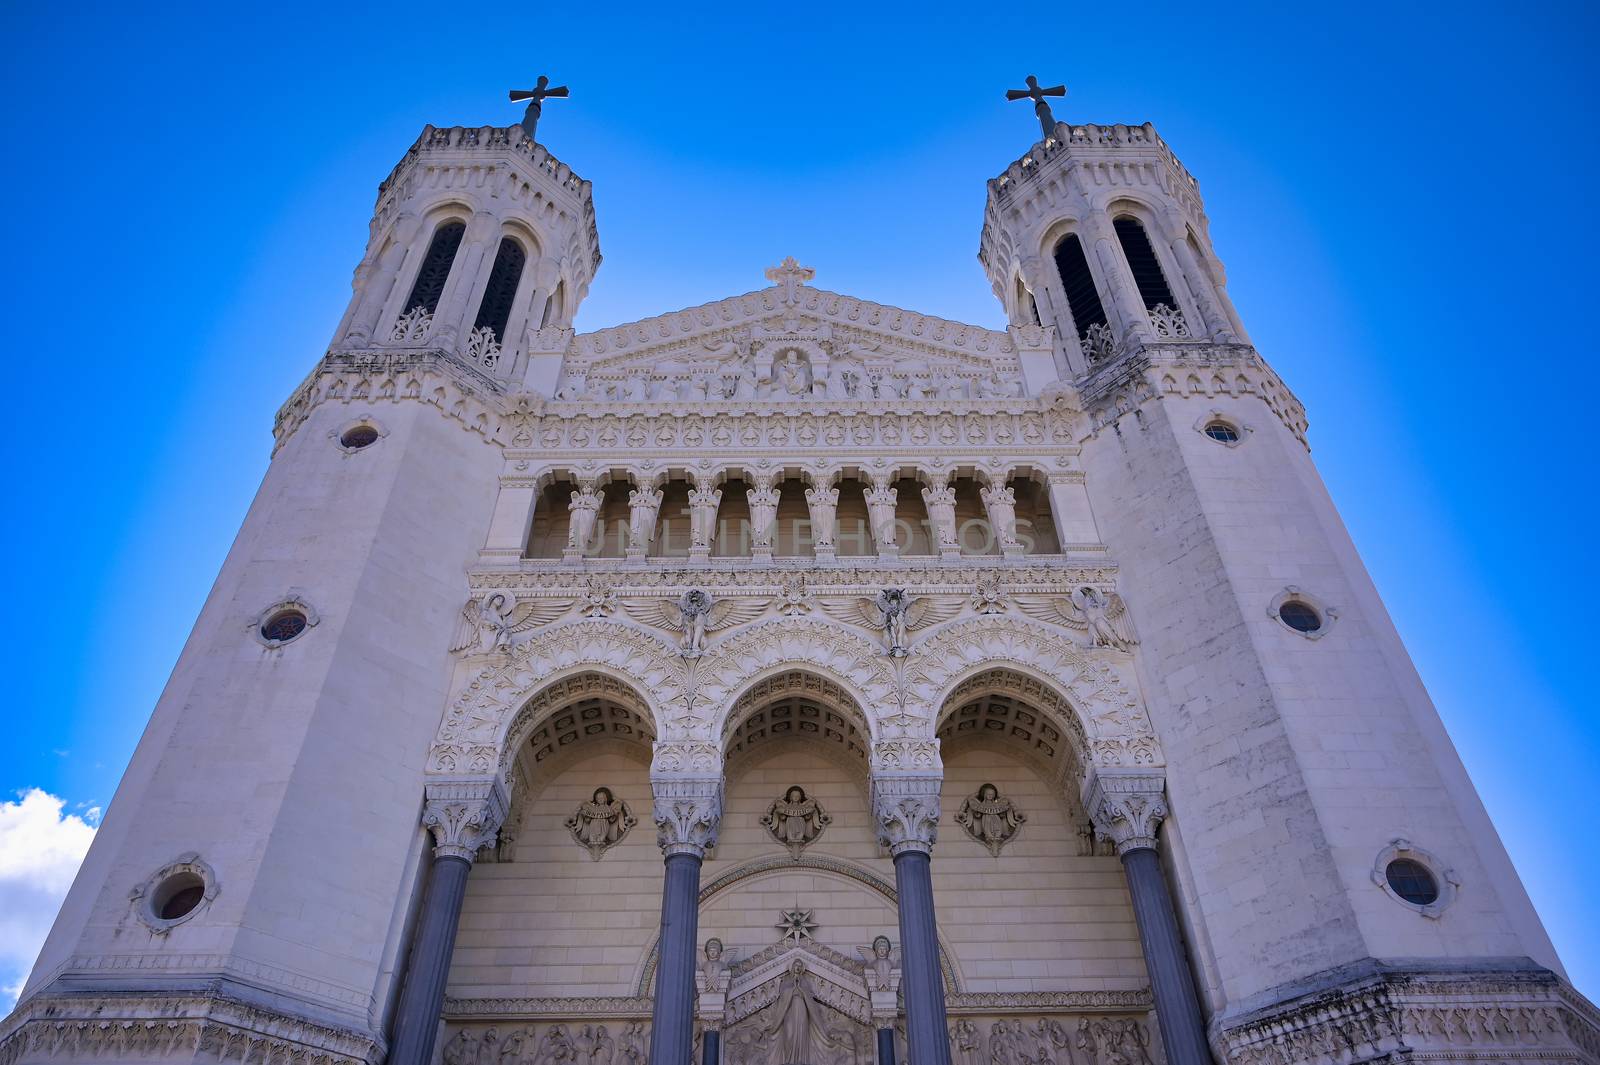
(1300, 617)
(1412, 881)
(283, 626)
(177, 896)
(359, 436)
(1222, 432)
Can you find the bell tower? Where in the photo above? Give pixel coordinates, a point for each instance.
(482, 245)
(1308, 772)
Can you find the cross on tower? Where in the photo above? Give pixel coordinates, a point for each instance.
(536, 97)
(1036, 94)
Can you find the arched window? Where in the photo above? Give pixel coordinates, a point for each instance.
(495, 310)
(1142, 260)
(1082, 297)
(436, 265)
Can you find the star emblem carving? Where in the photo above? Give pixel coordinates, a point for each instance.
(796, 925)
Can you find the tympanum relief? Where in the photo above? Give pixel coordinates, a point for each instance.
(990, 818)
(798, 1029)
(599, 824)
(796, 820)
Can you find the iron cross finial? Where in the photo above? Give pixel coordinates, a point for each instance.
(1036, 94)
(536, 97)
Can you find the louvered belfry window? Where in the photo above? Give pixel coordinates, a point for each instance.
(1142, 260)
(495, 310)
(1078, 282)
(436, 265)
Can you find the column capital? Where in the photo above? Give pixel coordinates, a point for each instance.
(688, 812)
(1126, 807)
(906, 810)
(463, 816)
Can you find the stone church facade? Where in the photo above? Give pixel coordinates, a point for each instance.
(795, 680)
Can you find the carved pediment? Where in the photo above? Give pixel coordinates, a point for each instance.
(791, 341)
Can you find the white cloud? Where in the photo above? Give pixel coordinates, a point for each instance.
(41, 847)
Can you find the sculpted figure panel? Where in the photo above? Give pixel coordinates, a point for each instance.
(599, 824)
(795, 820)
(990, 818)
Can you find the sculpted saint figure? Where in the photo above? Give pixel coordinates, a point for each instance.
(792, 376)
(796, 821)
(878, 961)
(600, 823)
(643, 506)
(990, 818)
(798, 1023)
(555, 1048)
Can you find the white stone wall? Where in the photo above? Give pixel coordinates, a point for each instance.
(297, 773)
(1292, 762)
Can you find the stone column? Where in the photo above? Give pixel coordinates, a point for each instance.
(1125, 298)
(1000, 502)
(687, 812)
(823, 502)
(906, 809)
(1127, 808)
(375, 287)
(463, 816)
(644, 506)
(583, 512)
(881, 498)
(703, 503)
(763, 499)
(1213, 320)
(941, 503)
(449, 323)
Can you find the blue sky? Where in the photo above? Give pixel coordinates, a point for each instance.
(1399, 194)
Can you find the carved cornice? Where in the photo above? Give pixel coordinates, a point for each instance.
(1195, 368)
(127, 1026)
(460, 1009)
(1034, 574)
(1126, 807)
(906, 810)
(688, 813)
(463, 816)
(973, 1002)
(1459, 1016)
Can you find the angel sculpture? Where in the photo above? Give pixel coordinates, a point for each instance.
(795, 820)
(990, 818)
(695, 614)
(1103, 618)
(881, 964)
(493, 623)
(895, 612)
(601, 822)
(714, 975)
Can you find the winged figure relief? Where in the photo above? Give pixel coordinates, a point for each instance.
(894, 612)
(693, 615)
(494, 622)
(1101, 617)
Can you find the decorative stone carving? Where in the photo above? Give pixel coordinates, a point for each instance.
(763, 500)
(796, 926)
(907, 812)
(795, 599)
(941, 503)
(412, 327)
(894, 612)
(482, 348)
(687, 815)
(601, 823)
(599, 600)
(1168, 321)
(695, 614)
(1102, 618)
(703, 504)
(796, 821)
(643, 506)
(493, 621)
(879, 965)
(988, 596)
(583, 511)
(797, 1027)
(881, 499)
(463, 816)
(990, 818)
(823, 503)
(1099, 344)
(1126, 807)
(1000, 502)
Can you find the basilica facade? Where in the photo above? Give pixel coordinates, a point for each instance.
(795, 680)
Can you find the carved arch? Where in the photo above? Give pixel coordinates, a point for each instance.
(474, 737)
(1116, 729)
(811, 645)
